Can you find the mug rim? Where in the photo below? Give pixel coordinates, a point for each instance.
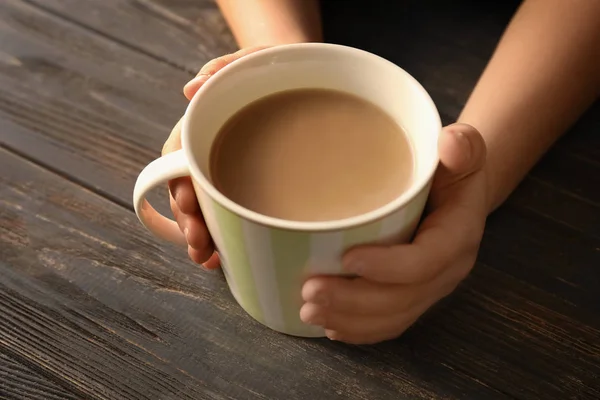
(307, 226)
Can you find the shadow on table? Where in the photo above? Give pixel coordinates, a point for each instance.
(445, 45)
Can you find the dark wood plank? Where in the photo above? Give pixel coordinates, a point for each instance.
(97, 304)
(83, 105)
(19, 381)
(94, 302)
(183, 33)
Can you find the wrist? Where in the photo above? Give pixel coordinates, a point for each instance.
(496, 191)
(277, 35)
(276, 40)
(272, 22)
(490, 196)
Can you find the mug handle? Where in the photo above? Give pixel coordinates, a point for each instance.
(157, 173)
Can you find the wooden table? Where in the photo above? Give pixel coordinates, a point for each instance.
(93, 307)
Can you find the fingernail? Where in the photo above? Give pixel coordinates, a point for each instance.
(186, 233)
(330, 335)
(462, 139)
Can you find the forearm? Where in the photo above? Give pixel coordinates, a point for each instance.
(272, 22)
(543, 75)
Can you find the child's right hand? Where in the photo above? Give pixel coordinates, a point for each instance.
(183, 200)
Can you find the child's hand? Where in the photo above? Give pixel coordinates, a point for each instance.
(398, 284)
(183, 198)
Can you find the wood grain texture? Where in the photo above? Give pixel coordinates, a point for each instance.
(88, 297)
(83, 105)
(99, 306)
(182, 33)
(91, 307)
(19, 381)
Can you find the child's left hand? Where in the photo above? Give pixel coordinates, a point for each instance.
(398, 284)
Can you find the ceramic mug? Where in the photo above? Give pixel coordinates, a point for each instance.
(266, 260)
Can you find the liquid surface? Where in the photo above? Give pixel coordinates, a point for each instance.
(311, 155)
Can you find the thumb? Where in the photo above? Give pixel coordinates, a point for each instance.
(214, 66)
(462, 152)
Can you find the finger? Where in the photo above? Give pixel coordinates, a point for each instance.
(199, 256)
(173, 142)
(312, 314)
(183, 192)
(462, 151)
(182, 198)
(180, 217)
(442, 238)
(216, 64)
(197, 235)
(392, 331)
(193, 226)
(213, 262)
(192, 87)
(212, 67)
(454, 227)
(368, 330)
(356, 328)
(358, 296)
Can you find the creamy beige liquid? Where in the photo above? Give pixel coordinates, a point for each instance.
(311, 155)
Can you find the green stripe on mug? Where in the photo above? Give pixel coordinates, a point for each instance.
(291, 251)
(236, 258)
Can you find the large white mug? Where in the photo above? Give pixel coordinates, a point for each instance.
(266, 260)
